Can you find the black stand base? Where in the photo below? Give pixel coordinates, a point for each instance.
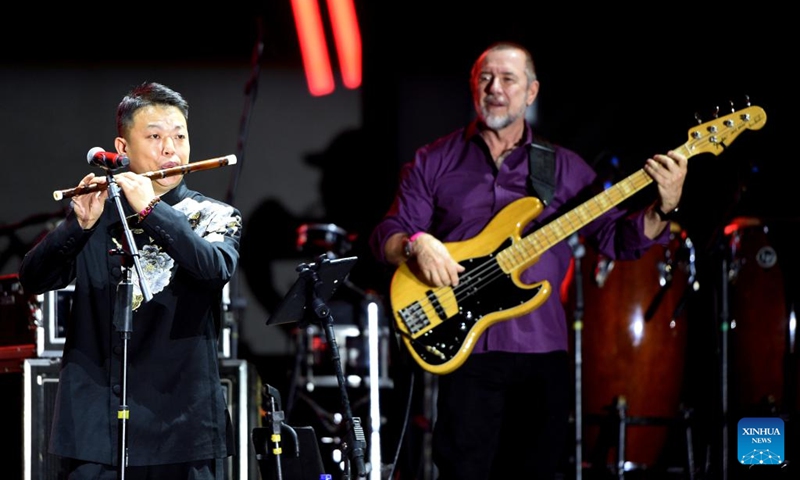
(298, 461)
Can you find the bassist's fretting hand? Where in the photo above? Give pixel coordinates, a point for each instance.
(668, 172)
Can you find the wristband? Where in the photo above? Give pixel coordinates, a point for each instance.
(415, 236)
(407, 244)
(665, 217)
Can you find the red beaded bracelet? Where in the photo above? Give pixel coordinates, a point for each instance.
(149, 208)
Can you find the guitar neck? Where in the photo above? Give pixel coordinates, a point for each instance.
(536, 243)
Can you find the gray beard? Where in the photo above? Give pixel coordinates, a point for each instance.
(500, 122)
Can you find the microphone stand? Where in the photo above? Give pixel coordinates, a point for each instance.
(123, 318)
(276, 418)
(355, 441)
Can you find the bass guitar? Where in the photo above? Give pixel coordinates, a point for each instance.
(439, 326)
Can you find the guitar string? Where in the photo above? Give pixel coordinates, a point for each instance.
(518, 250)
(466, 289)
(491, 268)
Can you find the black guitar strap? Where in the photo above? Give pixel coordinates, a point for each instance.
(542, 169)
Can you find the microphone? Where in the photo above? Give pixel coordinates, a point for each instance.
(107, 160)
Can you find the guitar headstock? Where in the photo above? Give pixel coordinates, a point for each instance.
(716, 135)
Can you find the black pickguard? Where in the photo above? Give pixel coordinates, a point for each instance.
(490, 295)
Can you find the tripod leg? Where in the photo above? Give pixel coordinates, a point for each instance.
(687, 413)
(622, 408)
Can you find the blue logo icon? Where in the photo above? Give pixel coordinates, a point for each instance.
(760, 441)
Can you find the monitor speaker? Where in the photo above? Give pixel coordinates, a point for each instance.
(39, 383)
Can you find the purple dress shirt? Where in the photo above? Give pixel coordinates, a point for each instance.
(452, 189)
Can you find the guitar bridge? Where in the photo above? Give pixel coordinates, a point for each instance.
(414, 318)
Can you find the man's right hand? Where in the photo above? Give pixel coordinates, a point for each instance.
(434, 262)
(88, 207)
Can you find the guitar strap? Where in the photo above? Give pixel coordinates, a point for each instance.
(542, 173)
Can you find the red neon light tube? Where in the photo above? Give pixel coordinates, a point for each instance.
(348, 40)
(313, 47)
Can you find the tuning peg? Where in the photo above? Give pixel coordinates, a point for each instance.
(697, 117)
(716, 111)
(747, 100)
(733, 109)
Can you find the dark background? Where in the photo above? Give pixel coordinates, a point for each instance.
(616, 82)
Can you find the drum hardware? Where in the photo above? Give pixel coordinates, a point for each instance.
(666, 271)
(665, 281)
(602, 270)
(613, 438)
(622, 412)
(352, 333)
(692, 285)
(316, 239)
(353, 343)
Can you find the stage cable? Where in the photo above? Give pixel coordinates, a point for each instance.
(403, 428)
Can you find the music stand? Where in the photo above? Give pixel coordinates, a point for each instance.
(331, 273)
(304, 303)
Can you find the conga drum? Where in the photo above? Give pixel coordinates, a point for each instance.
(634, 339)
(759, 361)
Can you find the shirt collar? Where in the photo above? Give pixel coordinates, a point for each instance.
(471, 132)
(176, 194)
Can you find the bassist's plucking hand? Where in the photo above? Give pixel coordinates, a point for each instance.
(434, 264)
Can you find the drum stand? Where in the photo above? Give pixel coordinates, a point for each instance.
(618, 420)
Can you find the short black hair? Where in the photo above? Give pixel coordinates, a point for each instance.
(143, 95)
